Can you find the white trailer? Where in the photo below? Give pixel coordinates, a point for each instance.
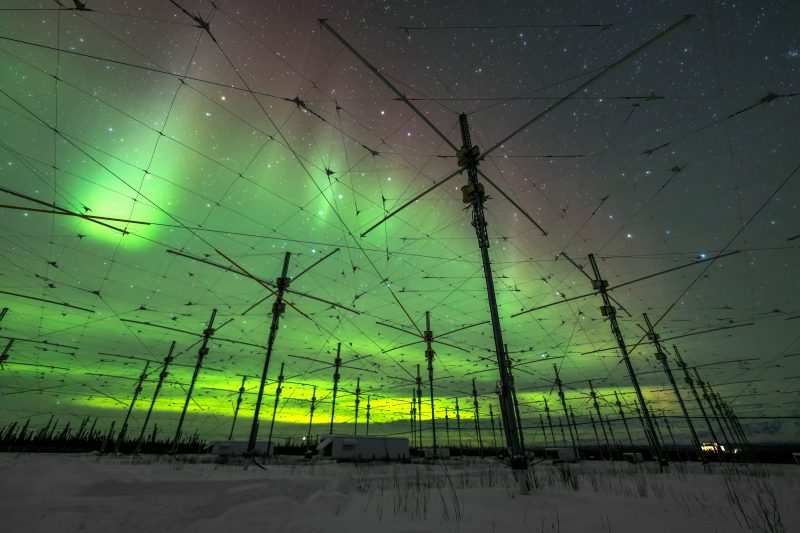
(633, 457)
(364, 448)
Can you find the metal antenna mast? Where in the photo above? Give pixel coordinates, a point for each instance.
(161, 377)
(711, 405)
(4, 355)
(311, 417)
(689, 381)
(368, 409)
(337, 363)
(593, 394)
(646, 432)
(596, 434)
(201, 354)
(622, 415)
(473, 193)
(609, 311)
(278, 391)
(515, 401)
(544, 431)
(136, 392)
(429, 353)
(412, 415)
(662, 358)
(611, 430)
(564, 406)
(458, 429)
(477, 416)
(723, 415)
(358, 401)
(236, 409)
(577, 435)
(494, 433)
(278, 307)
(737, 426)
(447, 426)
(419, 404)
(671, 435)
(549, 421)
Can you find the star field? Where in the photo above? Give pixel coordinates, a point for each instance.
(159, 159)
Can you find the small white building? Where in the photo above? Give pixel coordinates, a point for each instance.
(364, 448)
(236, 447)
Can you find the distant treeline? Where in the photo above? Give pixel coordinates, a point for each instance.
(86, 437)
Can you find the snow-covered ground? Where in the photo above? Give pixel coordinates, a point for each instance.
(65, 493)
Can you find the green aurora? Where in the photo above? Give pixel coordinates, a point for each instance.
(193, 162)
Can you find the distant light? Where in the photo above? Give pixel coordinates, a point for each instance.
(630, 236)
(703, 255)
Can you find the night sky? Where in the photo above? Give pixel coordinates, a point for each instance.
(261, 134)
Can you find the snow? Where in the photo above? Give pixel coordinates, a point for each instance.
(88, 493)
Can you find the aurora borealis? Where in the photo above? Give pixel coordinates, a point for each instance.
(263, 135)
